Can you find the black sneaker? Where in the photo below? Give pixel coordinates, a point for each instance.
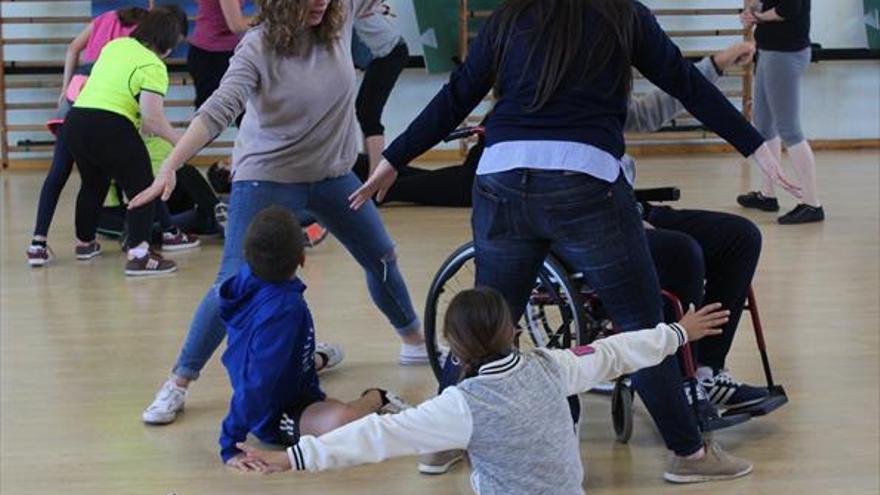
(87, 251)
(726, 393)
(755, 199)
(803, 213)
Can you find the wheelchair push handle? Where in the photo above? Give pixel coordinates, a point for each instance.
(464, 132)
(658, 194)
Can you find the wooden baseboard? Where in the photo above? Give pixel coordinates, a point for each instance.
(43, 163)
(639, 149)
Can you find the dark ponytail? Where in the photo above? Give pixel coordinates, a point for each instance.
(131, 16)
(478, 328)
(559, 32)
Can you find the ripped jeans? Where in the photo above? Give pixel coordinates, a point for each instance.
(361, 232)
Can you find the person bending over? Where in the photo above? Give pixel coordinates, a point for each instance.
(88, 44)
(125, 92)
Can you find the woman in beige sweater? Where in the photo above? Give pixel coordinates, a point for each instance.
(295, 147)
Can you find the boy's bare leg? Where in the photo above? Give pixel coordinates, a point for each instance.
(321, 417)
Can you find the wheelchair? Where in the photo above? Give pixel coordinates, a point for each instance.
(563, 312)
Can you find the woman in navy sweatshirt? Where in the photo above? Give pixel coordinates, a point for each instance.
(550, 177)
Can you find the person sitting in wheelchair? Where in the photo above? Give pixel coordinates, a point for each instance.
(702, 255)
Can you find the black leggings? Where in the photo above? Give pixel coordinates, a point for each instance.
(106, 146)
(190, 208)
(448, 186)
(207, 69)
(379, 79)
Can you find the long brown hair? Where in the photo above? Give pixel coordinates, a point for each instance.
(559, 34)
(479, 328)
(284, 20)
(131, 16)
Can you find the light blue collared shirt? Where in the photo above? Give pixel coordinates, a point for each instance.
(555, 155)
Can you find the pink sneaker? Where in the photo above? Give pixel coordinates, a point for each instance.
(39, 255)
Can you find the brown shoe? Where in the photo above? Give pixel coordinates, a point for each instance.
(439, 462)
(715, 465)
(150, 264)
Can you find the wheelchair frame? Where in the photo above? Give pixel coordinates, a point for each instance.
(556, 285)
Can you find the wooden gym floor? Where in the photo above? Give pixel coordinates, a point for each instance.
(84, 349)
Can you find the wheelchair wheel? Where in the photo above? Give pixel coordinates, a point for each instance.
(622, 409)
(554, 315)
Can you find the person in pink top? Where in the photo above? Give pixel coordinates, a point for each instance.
(88, 44)
(81, 54)
(219, 24)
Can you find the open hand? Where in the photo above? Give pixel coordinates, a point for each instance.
(378, 184)
(705, 322)
(243, 464)
(269, 461)
(162, 186)
(773, 169)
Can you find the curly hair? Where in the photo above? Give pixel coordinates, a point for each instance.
(284, 21)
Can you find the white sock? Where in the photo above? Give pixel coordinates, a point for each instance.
(705, 373)
(138, 252)
(804, 164)
(768, 187)
(413, 349)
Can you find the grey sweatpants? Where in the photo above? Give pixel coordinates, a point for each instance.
(778, 94)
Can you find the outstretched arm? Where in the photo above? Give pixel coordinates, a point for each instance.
(653, 110)
(583, 367)
(439, 424)
(224, 106)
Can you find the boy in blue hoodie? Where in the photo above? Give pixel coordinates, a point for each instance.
(271, 347)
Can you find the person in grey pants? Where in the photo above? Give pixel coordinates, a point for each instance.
(782, 33)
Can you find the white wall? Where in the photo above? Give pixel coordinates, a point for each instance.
(841, 100)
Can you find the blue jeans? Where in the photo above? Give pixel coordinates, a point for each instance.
(594, 227)
(361, 232)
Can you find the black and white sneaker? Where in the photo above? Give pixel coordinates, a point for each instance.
(726, 393)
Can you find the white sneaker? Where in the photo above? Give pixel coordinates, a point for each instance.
(169, 401)
(332, 353)
(417, 355)
(439, 462)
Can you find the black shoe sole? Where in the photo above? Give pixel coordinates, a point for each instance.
(769, 208)
(799, 220)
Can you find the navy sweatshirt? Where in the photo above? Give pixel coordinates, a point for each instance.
(591, 112)
(789, 35)
(269, 356)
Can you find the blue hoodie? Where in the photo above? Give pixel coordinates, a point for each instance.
(269, 356)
